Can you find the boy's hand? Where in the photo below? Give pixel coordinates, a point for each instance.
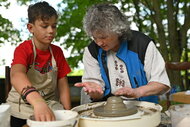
(42, 112)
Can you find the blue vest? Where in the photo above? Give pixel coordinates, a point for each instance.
(132, 53)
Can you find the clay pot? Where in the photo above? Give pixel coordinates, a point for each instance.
(115, 108)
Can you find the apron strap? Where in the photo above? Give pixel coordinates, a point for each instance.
(52, 59)
(34, 49)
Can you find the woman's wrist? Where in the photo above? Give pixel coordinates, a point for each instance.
(139, 92)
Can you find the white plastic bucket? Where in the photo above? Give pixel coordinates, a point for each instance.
(5, 115)
(64, 118)
(180, 115)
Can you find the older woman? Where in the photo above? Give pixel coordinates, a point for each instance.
(120, 61)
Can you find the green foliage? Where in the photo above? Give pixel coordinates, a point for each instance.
(7, 33)
(70, 26)
(76, 73)
(4, 3)
(149, 19)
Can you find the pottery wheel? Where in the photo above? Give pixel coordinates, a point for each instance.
(114, 108)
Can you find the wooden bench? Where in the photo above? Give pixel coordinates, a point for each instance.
(7, 81)
(179, 96)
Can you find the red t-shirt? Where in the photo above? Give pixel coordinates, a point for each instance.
(24, 54)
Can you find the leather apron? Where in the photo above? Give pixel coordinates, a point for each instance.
(46, 84)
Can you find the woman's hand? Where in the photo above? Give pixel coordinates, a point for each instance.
(94, 90)
(128, 92)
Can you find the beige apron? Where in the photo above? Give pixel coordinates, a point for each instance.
(46, 84)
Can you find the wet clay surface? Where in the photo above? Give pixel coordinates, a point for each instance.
(114, 108)
(90, 114)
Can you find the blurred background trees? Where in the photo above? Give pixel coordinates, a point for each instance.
(166, 21)
(7, 32)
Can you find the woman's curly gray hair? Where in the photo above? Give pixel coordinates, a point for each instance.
(106, 18)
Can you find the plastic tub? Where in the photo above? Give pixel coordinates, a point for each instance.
(5, 115)
(180, 115)
(64, 118)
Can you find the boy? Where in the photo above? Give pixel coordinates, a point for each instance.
(38, 68)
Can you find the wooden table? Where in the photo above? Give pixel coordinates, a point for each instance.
(181, 97)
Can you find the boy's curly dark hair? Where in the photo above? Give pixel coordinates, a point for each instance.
(41, 10)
